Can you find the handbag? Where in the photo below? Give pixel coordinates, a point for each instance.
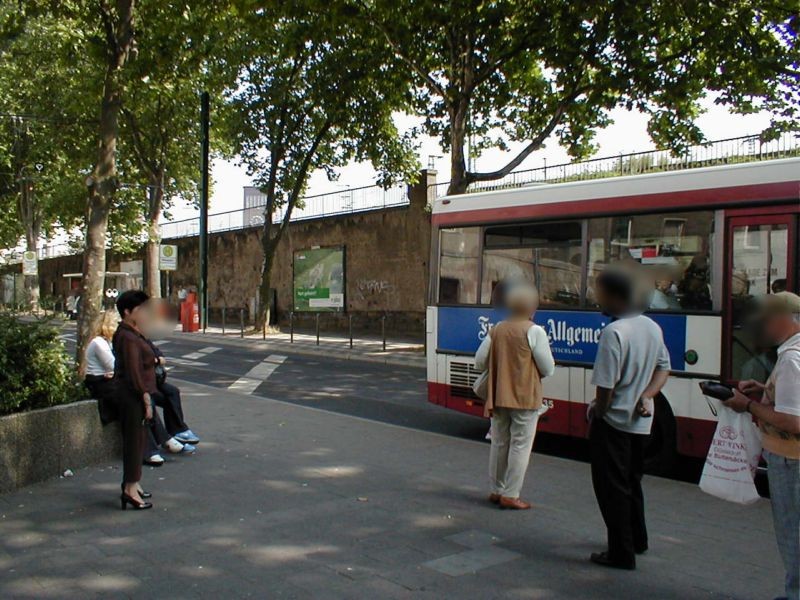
(481, 386)
(161, 374)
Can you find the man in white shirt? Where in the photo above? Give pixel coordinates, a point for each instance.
(632, 365)
(778, 414)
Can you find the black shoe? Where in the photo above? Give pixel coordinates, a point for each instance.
(637, 550)
(602, 559)
(142, 493)
(124, 500)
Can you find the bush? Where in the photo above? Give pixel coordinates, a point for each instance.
(35, 370)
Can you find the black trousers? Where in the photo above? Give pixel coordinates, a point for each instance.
(169, 400)
(155, 435)
(617, 468)
(131, 415)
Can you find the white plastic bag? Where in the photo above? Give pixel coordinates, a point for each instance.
(481, 386)
(733, 458)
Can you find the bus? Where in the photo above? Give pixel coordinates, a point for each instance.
(710, 239)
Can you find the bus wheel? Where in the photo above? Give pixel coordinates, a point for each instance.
(661, 448)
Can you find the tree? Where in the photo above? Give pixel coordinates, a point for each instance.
(312, 95)
(42, 141)
(116, 23)
(160, 113)
(523, 70)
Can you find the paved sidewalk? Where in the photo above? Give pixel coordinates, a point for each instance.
(289, 502)
(365, 348)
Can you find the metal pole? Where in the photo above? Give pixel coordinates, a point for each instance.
(383, 331)
(241, 322)
(223, 319)
(350, 327)
(291, 327)
(317, 329)
(204, 124)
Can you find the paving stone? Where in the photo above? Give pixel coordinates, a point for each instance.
(471, 561)
(474, 538)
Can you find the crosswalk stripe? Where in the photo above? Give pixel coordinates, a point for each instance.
(257, 375)
(187, 363)
(161, 342)
(202, 352)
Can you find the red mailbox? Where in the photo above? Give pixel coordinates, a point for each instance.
(190, 313)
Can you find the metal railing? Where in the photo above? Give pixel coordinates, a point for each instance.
(728, 151)
(342, 202)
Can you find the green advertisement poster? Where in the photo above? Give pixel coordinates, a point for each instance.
(319, 279)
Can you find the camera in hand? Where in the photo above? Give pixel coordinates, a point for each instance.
(715, 389)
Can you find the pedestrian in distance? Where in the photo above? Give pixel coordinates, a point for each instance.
(631, 367)
(134, 372)
(516, 355)
(776, 406)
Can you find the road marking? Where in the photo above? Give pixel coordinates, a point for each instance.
(202, 352)
(187, 363)
(161, 342)
(257, 375)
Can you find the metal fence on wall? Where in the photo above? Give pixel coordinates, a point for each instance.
(342, 202)
(373, 197)
(719, 152)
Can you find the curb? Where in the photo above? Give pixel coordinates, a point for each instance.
(302, 349)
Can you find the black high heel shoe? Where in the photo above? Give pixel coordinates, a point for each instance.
(142, 493)
(124, 500)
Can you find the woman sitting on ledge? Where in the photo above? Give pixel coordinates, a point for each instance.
(100, 367)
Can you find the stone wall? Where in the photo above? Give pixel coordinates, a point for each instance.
(41, 444)
(386, 265)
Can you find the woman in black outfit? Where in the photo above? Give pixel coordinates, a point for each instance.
(134, 373)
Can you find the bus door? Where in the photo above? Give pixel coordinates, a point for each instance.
(761, 258)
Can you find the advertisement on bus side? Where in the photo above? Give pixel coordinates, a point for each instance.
(573, 335)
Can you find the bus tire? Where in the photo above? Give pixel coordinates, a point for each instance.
(661, 447)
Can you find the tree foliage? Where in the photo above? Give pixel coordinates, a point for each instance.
(523, 70)
(311, 95)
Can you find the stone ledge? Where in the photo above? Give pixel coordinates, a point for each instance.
(41, 444)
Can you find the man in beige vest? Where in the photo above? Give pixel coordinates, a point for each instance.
(516, 354)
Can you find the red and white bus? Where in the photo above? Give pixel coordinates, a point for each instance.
(712, 239)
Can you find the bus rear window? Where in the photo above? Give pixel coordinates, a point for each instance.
(547, 254)
(458, 265)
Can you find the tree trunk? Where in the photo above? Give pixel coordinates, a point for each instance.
(269, 246)
(458, 166)
(153, 274)
(103, 184)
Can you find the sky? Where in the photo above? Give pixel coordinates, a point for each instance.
(627, 134)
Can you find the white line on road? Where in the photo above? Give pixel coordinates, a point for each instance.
(161, 342)
(187, 363)
(257, 375)
(202, 352)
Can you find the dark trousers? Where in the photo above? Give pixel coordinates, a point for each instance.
(617, 468)
(155, 435)
(169, 400)
(131, 414)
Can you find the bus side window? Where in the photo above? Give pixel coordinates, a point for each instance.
(458, 265)
(547, 254)
(671, 253)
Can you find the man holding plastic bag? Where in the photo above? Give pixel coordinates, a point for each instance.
(778, 415)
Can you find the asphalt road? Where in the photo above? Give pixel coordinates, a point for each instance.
(373, 391)
(389, 394)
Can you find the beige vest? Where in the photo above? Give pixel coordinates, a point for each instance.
(514, 381)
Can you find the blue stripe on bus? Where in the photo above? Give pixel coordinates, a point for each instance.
(573, 335)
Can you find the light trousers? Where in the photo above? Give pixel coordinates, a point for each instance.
(512, 440)
(784, 491)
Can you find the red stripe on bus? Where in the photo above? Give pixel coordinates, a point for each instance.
(789, 190)
(569, 418)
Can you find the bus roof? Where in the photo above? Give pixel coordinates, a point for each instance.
(751, 182)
